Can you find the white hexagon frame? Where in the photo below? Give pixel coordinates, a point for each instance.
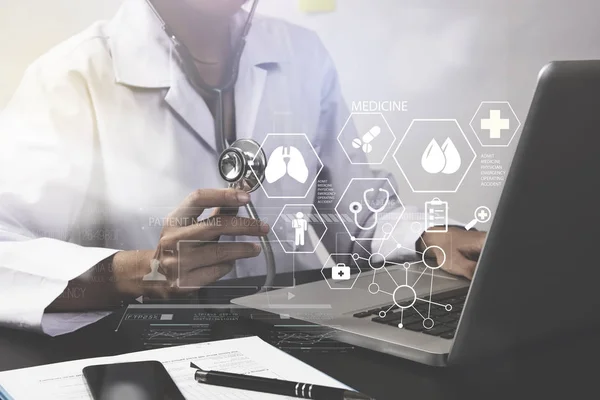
(309, 188)
(320, 237)
(466, 170)
(352, 237)
(386, 123)
(327, 279)
(514, 132)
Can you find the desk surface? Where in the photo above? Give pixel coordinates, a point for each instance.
(555, 369)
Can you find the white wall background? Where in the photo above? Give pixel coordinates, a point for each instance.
(443, 56)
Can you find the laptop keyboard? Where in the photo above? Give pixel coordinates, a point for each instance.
(444, 322)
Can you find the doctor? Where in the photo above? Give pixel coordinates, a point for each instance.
(105, 136)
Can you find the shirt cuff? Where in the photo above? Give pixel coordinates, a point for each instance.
(33, 273)
(55, 324)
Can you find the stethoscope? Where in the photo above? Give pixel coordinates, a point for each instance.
(242, 165)
(356, 208)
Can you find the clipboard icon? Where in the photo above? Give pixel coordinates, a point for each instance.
(436, 215)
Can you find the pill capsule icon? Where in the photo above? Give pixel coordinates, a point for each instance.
(367, 138)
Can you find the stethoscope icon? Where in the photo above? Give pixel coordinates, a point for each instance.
(356, 208)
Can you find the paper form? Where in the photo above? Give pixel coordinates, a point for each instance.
(250, 356)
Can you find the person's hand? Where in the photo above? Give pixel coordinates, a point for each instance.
(462, 249)
(203, 259)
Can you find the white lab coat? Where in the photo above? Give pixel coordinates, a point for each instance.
(105, 134)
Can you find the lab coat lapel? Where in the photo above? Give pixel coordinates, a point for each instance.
(249, 90)
(192, 110)
(262, 54)
(143, 57)
(248, 97)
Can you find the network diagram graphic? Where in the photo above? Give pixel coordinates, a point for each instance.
(434, 155)
(404, 296)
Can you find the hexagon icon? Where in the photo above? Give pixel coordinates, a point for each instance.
(291, 228)
(339, 275)
(370, 135)
(434, 155)
(293, 166)
(495, 124)
(369, 209)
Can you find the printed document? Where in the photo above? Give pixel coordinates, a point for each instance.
(251, 356)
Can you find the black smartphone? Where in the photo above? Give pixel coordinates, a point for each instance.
(144, 380)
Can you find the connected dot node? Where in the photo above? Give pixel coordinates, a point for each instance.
(404, 296)
(376, 258)
(387, 228)
(429, 253)
(373, 288)
(428, 323)
(416, 227)
(353, 238)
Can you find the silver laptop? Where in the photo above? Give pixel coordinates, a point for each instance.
(535, 277)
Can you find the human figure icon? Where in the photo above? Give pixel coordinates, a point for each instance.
(300, 225)
(154, 275)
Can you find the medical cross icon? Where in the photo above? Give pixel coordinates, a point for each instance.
(495, 124)
(482, 215)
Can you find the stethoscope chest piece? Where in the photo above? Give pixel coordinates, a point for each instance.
(243, 164)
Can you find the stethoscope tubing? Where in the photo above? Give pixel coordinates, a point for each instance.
(370, 206)
(356, 208)
(220, 140)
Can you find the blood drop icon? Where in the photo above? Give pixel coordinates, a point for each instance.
(441, 159)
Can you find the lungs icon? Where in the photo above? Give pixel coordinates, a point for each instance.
(286, 160)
